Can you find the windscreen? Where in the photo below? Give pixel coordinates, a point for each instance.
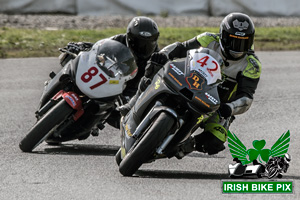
(115, 59)
(207, 63)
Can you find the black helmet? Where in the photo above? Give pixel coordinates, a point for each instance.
(236, 35)
(142, 34)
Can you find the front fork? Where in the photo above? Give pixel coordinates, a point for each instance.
(128, 138)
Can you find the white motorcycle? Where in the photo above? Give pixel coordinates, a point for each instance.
(77, 101)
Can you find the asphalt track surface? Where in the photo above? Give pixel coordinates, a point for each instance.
(87, 170)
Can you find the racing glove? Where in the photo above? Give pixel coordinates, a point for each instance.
(159, 58)
(154, 64)
(225, 110)
(79, 46)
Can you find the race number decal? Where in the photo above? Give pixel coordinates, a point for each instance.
(88, 76)
(206, 65)
(203, 63)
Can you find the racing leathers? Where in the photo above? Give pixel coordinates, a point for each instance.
(132, 85)
(240, 80)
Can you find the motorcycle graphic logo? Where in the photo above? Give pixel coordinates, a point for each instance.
(240, 25)
(195, 82)
(266, 162)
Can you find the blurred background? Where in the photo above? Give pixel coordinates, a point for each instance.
(37, 28)
(153, 7)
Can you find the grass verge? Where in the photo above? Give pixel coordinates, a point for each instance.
(20, 43)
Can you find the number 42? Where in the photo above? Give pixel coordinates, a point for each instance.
(203, 62)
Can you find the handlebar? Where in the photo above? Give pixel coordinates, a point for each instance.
(68, 52)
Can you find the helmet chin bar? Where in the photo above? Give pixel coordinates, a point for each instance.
(236, 55)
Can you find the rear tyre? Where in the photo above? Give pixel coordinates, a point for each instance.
(39, 132)
(147, 145)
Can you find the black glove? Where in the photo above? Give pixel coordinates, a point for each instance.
(144, 82)
(225, 110)
(154, 64)
(159, 58)
(79, 46)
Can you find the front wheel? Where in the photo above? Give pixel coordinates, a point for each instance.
(39, 132)
(118, 157)
(146, 146)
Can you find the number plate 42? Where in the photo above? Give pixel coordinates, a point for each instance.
(207, 66)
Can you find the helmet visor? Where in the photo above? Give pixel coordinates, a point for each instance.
(142, 48)
(238, 43)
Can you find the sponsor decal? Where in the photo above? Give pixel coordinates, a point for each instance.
(71, 100)
(145, 34)
(240, 25)
(176, 70)
(195, 82)
(200, 119)
(75, 97)
(240, 33)
(202, 101)
(127, 129)
(177, 81)
(113, 81)
(239, 37)
(157, 84)
(211, 98)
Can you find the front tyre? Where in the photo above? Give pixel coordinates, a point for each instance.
(39, 132)
(147, 145)
(118, 157)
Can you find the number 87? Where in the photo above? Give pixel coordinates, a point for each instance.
(87, 77)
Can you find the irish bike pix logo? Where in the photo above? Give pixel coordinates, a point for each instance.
(259, 161)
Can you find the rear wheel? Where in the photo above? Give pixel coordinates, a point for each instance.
(39, 132)
(147, 145)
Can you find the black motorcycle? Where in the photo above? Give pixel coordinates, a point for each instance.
(181, 94)
(77, 101)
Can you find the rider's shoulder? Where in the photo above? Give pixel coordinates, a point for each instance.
(207, 37)
(120, 38)
(253, 69)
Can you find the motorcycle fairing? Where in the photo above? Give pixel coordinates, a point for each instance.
(89, 78)
(103, 71)
(73, 100)
(191, 85)
(169, 80)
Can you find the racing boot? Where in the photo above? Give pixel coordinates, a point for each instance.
(206, 142)
(186, 147)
